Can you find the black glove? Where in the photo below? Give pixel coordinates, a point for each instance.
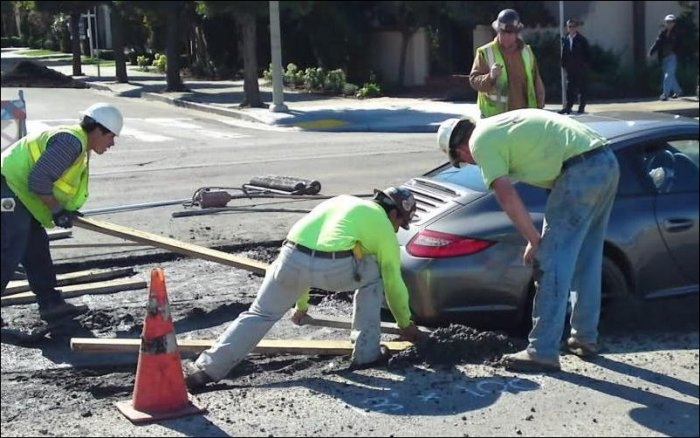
(64, 218)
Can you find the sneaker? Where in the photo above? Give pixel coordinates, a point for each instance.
(61, 310)
(663, 97)
(195, 378)
(675, 95)
(565, 111)
(580, 348)
(526, 361)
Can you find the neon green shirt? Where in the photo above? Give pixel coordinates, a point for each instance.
(339, 223)
(529, 145)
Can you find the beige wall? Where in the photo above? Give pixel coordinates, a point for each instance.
(386, 54)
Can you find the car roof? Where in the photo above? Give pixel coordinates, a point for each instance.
(616, 124)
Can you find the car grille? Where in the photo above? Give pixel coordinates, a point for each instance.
(431, 198)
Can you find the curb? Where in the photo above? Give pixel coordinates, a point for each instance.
(201, 107)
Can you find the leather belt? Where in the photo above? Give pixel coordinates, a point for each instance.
(316, 253)
(582, 157)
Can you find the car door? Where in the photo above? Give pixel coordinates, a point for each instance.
(676, 203)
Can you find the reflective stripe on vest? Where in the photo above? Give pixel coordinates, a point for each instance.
(496, 103)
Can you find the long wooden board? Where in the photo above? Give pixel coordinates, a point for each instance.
(265, 346)
(75, 290)
(16, 286)
(342, 323)
(173, 245)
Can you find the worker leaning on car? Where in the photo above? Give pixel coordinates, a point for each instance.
(574, 163)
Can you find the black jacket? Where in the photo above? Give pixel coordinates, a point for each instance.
(578, 57)
(666, 43)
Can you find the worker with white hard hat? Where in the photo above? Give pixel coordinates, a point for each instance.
(44, 183)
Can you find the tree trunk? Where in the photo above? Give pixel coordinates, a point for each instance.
(172, 71)
(118, 45)
(75, 35)
(247, 27)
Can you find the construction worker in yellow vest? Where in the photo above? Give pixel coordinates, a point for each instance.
(44, 183)
(504, 72)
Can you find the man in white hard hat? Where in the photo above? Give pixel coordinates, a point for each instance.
(667, 46)
(573, 162)
(44, 183)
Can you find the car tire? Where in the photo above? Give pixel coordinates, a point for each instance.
(614, 285)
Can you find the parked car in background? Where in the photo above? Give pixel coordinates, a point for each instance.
(462, 256)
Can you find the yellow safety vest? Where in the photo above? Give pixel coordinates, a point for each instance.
(70, 189)
(496, 102)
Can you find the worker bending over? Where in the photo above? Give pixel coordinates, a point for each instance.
(344, 243)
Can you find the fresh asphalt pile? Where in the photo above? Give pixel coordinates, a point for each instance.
(30, 74)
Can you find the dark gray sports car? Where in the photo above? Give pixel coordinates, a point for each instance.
(462, 257)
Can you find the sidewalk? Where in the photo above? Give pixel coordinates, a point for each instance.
(317, 112)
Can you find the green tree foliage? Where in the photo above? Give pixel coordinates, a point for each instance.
(74, 9)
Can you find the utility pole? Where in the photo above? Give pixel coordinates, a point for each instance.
(278, 105)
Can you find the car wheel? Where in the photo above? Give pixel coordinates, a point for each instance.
(614, 284)
(614, 281)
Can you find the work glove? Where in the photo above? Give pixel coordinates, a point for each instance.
(298, 317)
(411, 333)
(495, 71)
(64, 218)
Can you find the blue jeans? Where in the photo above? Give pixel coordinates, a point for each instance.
(570, 256)
(670, 83)
(25, 240)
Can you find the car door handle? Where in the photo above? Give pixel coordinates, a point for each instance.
(675, 225)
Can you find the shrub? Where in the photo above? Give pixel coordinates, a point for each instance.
(369, 89)
(143, 62)
(313, 78)
(334, 81)
(160, 62)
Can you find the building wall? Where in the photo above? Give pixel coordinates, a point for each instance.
(386, 54)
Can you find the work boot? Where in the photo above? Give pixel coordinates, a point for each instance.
(526, 361)
(61, 310)
(581, 110)
(565, 111)
(580, 348)
(195, 378)
(382, 360)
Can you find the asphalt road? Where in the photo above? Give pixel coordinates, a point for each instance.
(166, 153)
(644, 384)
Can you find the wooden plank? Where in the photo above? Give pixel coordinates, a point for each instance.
(75, 290)
(265, 346)
(173, 245)
(342, 323)
(16, 286)
(59, 234)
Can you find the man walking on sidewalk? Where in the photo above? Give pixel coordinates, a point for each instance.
(44, 183)
(344, 243)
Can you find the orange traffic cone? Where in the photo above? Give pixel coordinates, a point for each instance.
(159, 390)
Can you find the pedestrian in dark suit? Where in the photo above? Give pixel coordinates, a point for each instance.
(576, 61)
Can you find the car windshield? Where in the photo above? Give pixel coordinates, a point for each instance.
(468, 176)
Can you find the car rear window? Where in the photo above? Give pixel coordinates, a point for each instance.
(468, 176)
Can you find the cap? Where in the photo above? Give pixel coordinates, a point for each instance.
(670, 17)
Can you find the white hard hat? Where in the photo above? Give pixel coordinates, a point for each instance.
(670, 17)
(444, 133)
(106, 115)
(452, 131)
